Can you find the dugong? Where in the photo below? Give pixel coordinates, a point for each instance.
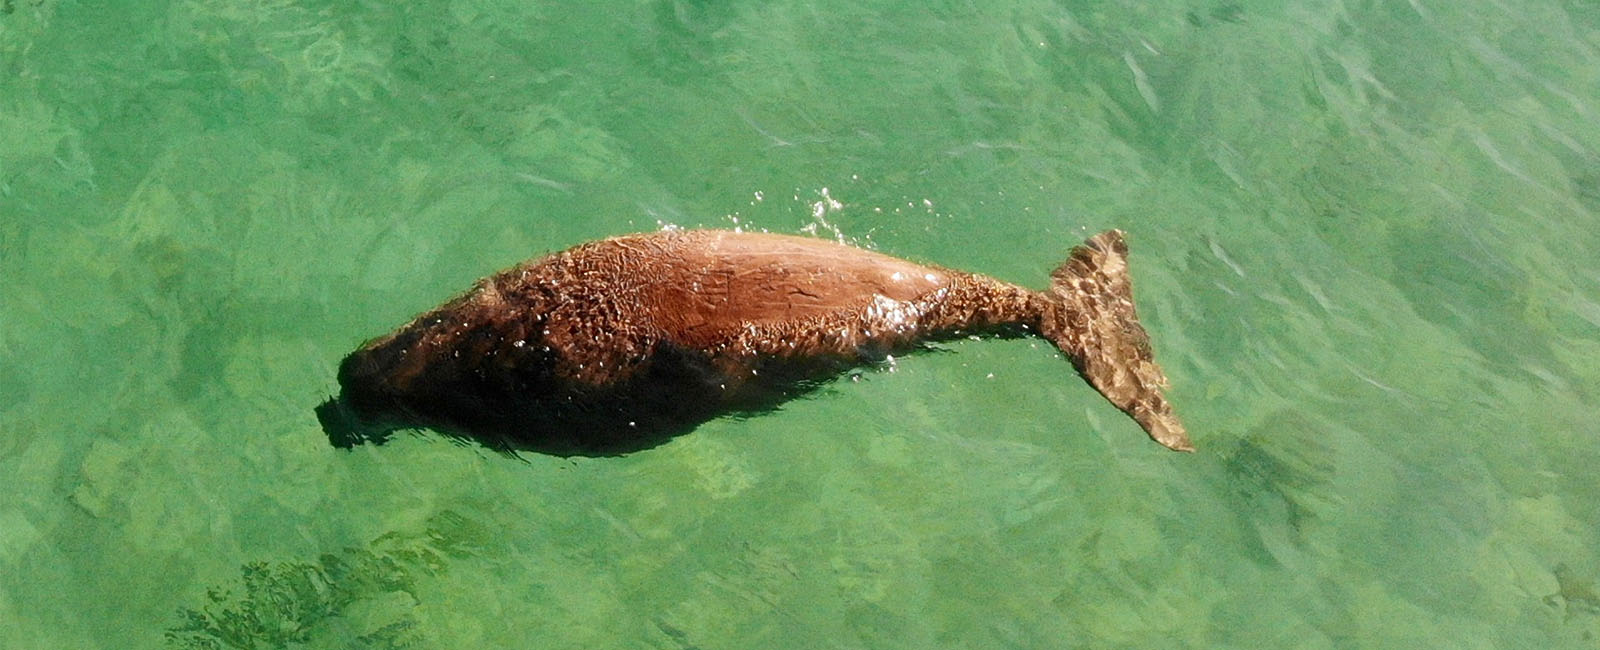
(617, 344)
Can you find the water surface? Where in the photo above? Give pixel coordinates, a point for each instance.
(1364, 241)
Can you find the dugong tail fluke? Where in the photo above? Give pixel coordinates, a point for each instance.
(1094, 324)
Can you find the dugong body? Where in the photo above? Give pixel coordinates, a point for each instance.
(617, 344)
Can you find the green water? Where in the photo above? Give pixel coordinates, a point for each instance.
(1365, 242)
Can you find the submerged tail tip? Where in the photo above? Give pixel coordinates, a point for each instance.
(1111, 241)
(1104, 255)
(1169, 432)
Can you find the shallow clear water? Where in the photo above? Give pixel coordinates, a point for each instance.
(1364, 241)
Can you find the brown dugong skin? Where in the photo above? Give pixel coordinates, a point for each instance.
(617, 344)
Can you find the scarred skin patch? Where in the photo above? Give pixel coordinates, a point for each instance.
(616, 344)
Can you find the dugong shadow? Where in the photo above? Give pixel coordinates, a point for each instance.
(674, 398)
